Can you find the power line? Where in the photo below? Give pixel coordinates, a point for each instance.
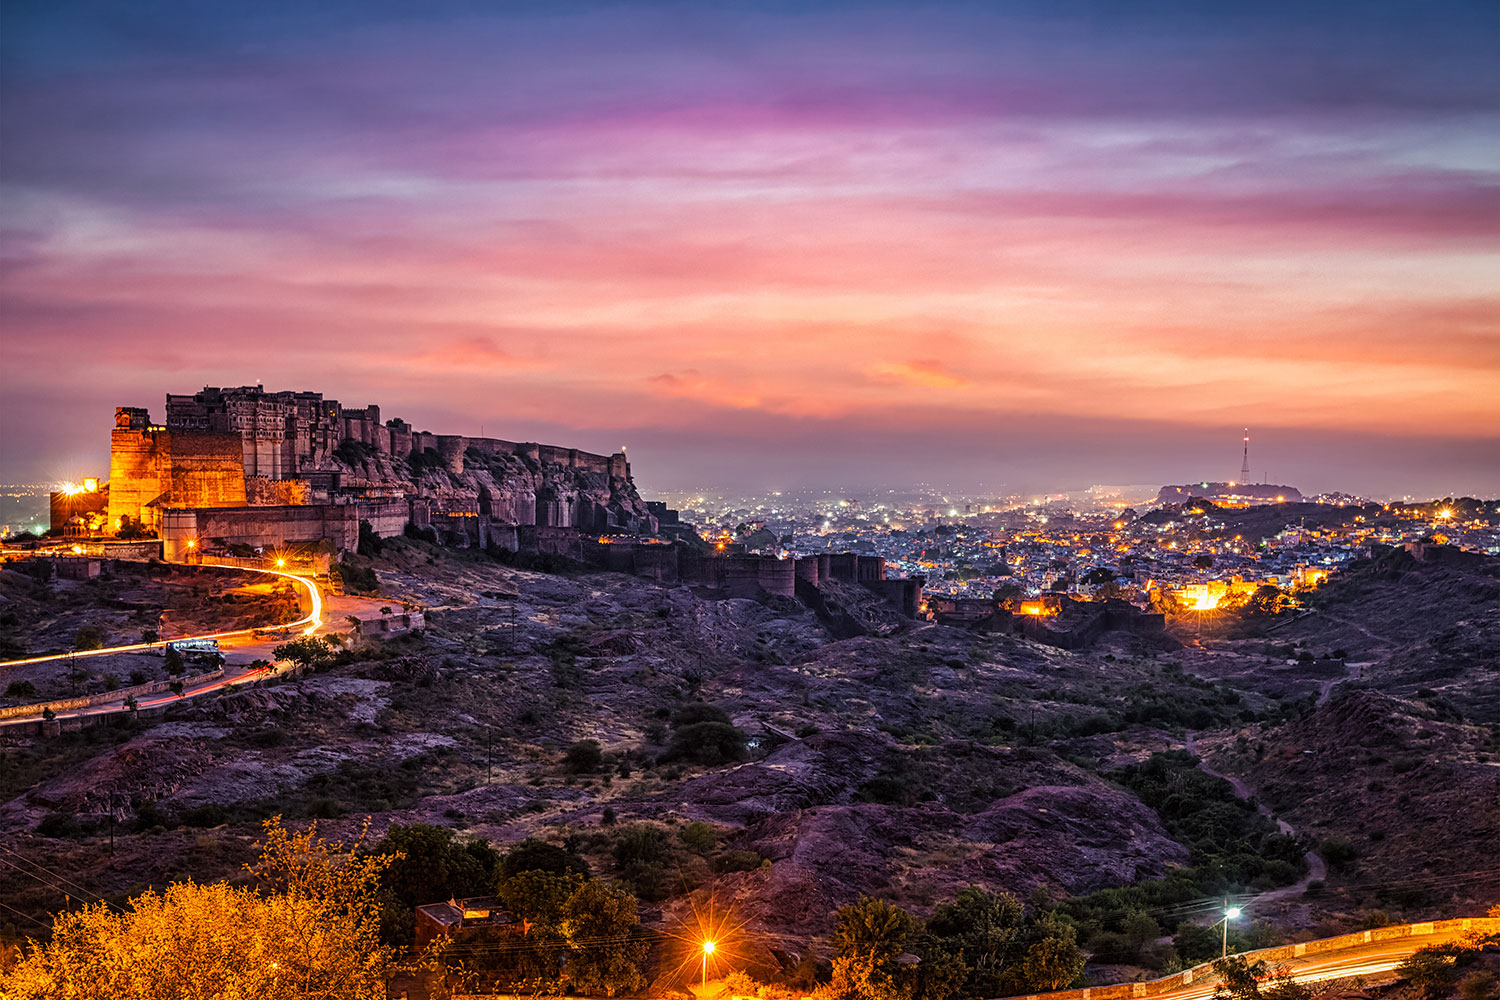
(74, 890)
(26, 916)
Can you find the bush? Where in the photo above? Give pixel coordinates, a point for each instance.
(57, 825)
(707, 743)
(585, 756)
(304, 651)
(20, 689)
(88, 637)
(358, 579)
(697, 712)
(1477, 985)
(640, 842)
(532, 855)
(737, 861)
(699, 837)
(1338, 852)
(208, 814)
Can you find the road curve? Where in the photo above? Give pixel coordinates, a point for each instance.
(308, 624)
(1372, 959)
(311, 621)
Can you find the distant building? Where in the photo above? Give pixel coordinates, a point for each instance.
(450, 919)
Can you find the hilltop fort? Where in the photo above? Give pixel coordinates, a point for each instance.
(243, 466)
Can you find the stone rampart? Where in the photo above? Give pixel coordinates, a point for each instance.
(388, 518)
(106, 697)
(260, 527)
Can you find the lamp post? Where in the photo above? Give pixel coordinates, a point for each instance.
(708, 949)
(1230, 913)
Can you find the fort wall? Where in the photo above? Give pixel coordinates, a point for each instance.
(184, 468)
(259, 527)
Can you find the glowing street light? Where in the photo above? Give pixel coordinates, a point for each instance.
(708, 949)
(280, 562)
(1230, 913)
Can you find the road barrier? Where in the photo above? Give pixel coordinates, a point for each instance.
(1280, 953)
(106, 697)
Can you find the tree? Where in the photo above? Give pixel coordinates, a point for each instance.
(1434, 968)
(304, 651)
(88, 637)
(1265, 602)
(173, 663)
(599, 922)
(150, 635)
(532, 855)
(1055, 960)
(707, 743)
(1204, 561)
(584, 756)
(427, 865)
(988, 930)
(311, 934)
(869, 937)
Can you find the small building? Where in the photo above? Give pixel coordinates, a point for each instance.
(449, 919)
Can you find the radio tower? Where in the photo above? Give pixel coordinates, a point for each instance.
(1245, 466)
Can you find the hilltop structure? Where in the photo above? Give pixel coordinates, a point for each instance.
(244, 467)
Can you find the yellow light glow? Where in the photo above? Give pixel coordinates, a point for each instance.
(1206, 602)
(281, 562)
(1445, 513)
(708, 947)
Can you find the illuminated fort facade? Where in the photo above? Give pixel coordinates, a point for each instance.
(243, 451)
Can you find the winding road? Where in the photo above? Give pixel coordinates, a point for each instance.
(307, 625)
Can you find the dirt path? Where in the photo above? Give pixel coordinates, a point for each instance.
(1317, 869)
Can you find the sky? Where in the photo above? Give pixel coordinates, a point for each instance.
(993, 245)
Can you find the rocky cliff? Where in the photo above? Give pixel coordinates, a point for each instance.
(521, 489)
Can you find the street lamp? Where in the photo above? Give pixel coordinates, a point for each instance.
(1230, 913)
(708, 949)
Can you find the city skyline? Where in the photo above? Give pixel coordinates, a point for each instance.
(1038, 246)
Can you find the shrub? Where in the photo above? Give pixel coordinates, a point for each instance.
(585, 756)
(707, 743)
(737, 861)
(208, 814)
(697, 712)
(88, 637)
(532, 855)
(1477, 985)
(57, 825)
(20, 689)
(699, 837)
(1338, 852)
(640, 842)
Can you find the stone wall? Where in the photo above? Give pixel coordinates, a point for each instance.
(260, 527)
(184, 468)
(1282, 953)
(105, 697)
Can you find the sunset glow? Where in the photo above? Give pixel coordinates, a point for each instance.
(720, 231)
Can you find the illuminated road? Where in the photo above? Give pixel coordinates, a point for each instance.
(1371, 959)
(308, 625)
(313, 620)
